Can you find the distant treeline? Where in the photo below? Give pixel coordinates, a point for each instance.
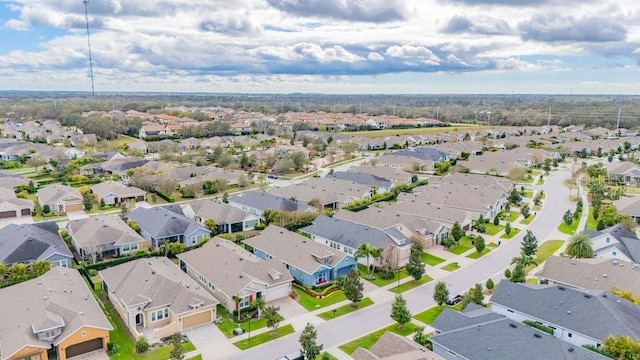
(518, 110)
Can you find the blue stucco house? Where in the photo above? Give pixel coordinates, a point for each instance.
(309, 262)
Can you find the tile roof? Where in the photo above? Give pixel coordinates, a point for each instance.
(59, 297)
(155, 282)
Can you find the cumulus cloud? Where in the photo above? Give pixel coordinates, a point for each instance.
(413, 53)
(482, 25)
(553, 28)
(353, 10)
(514, 3)
(233, 23)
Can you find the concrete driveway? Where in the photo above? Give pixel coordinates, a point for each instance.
(75, 215)
(94, 355)
(211, 342)
(19, 220)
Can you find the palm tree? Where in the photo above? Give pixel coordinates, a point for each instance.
(524, 260)
(259, 304)
(364, 251)
(236, 298)
(376, 254)
(580, 246)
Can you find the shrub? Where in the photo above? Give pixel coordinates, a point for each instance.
(489, 285)
(507, 273)
(46, 209)
(112, 348)
(142, 344)
(93, 272)
(260, 226)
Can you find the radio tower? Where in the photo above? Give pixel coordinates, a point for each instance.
(86, 16)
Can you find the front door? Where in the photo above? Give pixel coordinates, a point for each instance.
(139, 319)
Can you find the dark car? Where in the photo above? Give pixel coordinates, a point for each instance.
(271, 176)
(454, 301)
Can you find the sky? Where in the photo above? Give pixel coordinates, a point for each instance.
(323, 46)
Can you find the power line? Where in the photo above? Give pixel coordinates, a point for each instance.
(86, 16)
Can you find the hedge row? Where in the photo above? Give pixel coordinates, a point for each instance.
(168, 198)
(318, 295)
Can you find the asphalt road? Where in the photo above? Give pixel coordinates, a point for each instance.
(346, 328)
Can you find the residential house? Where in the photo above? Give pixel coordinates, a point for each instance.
(376, 183)
(505, 339)
(438, 213)
(576, 317)
(228, 271)
(405, 163)
(332, 193)
(584, 274)
(61, 199)
(228, 218)
(152, 129)
(629, 206)
(430, 232)
(26, 243)
(397, 176)
(13, 181)
(104, 234)
(390, 346)
(615, 242)
(623, 173)
(155, 298)
(347, 236)
(479, 181)
(54, 316)
(159, 225)
(473, 314)
(256, 202)
(113, 193)
(425, 154)
(309, 262)
(13, 207)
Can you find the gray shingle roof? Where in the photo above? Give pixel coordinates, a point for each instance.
(351, 234)
(102, 230)
(505, 339)
(629, 243)
(231, 268)
(362, 178)
(28, 242)
(216, 209)
(58, 296)
(423, 153)
(155, 281)
(451, 320)
(263, 200)
(162, 223)
(294, 249)
(596, 315)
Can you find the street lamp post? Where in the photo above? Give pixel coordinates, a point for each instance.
(398, 277)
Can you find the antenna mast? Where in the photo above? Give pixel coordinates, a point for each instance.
(86, 16)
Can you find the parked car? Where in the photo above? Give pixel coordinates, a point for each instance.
(454, 301)
(294, 356)
(272, 176)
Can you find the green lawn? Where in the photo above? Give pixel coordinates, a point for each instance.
(513, 215)
(477, 255)
(411, 284)
(569, 230)
(459, 249)
(310, 303)
(545, 250)
(451, 267)
(431, 260)
(540, 181)
(429, 316)
(368, 340)
(592, 224)
(197, 357)
(493, 229)
(379, 281)
(264, 337)
(227, 324)
(345, 309)
(527, 194)
(514, 232)
(492, 245)
(528, 220)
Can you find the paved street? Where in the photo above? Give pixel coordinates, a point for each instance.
(343, 329)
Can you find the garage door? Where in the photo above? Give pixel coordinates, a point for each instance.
(197, 319)
(7, 214)
(84, 347)
(276, 293)
(74, 207)
(26, 212)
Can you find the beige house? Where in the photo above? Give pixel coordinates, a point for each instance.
(52, 316)
(113, 192)
(155, 298)
(104, 234)
(60, 198)
(12, 206)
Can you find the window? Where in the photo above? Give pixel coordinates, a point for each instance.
(570, 335)
(62, 263)
(244, 302)
(84, 333)
(608, 239)
(614, 253)
(159, 314)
